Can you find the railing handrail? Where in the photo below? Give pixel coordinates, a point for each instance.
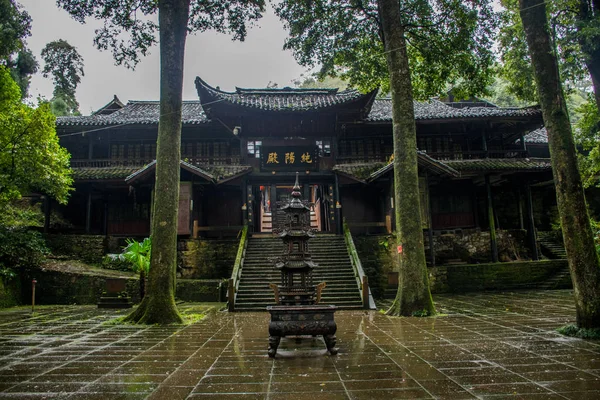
(359, 273)
(237, 267)
(140, 162)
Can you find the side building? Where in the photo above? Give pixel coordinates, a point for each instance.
(481, 167)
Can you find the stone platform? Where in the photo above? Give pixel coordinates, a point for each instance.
(487, 346)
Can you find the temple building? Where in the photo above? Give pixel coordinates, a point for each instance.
(481, 167)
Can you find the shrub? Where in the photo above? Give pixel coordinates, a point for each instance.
(115, 262)
(21, 248)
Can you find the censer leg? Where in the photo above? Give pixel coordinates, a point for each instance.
(273, 345)
(330, 341)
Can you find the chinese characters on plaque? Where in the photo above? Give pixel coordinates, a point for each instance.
(289, 159)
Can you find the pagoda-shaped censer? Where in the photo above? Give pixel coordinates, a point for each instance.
(298, 312)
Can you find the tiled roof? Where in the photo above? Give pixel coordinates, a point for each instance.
(213, 173)
(88, 173)
(367, 172)
(223, 173)
(184, 165)
(147, 112)
(137, 112)
(435, 109)
(286, 99)
(501, 164)
(359, 171)
(537, 136)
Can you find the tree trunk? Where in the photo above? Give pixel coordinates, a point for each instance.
(142, 284)
(577, 233)
(413, 294)
(158, 306)
(589, 11)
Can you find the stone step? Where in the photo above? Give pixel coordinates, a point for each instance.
(335, 268)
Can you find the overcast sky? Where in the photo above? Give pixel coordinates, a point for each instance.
(215, 58)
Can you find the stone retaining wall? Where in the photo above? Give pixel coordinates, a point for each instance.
(206, 258)
(88, 248)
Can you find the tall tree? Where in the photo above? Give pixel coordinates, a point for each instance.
(15, 27)
(574, 26)
(175, 19)
(577, 233)
(65, 64)
(408, 47)
(30, 157)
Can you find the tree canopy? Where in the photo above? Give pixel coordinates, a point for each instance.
(30, 157)
(129, 30)
(449, 42)
(64, 63)
(15, 27)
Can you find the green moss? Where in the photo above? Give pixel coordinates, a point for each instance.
(207, 259)
(582, 333)
(10, 292)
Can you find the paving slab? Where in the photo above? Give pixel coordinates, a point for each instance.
(484, 346)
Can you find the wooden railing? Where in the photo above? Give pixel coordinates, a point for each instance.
(362, 280)
(140, 162)
(104, 163)
(236, 274)
(464, 155)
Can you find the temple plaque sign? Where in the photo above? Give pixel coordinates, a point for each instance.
(292, 158)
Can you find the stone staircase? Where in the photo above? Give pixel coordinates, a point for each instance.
(551, 246)
(335, 268)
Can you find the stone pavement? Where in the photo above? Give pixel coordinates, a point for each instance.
(493, 345)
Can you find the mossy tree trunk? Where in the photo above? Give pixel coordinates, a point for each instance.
(413, 286)
(577, 233)
(158, 306)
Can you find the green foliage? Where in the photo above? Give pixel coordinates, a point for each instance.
(596, 229)
(21, 248)
(587, 135)
(449, 42)
(582, 333)
(313, 81)
(22, 68)
(421, 313)
(64, 63)
(21, 214)
(31, 158)
(116, 263)
(575, 39)
(135, 19)
(501, 94)
(15, 27)
(138, 255)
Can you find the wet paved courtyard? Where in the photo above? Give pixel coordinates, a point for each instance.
(493, 345)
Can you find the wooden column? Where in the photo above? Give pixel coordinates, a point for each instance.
(273, 207)
(336, 200)
(249, 208)
(430, 230)
(520, 204)
(88, 211)
(491, 219)
(90, 147)
(531, 235)
(245, 200)
(105, 219)
(484, 144)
